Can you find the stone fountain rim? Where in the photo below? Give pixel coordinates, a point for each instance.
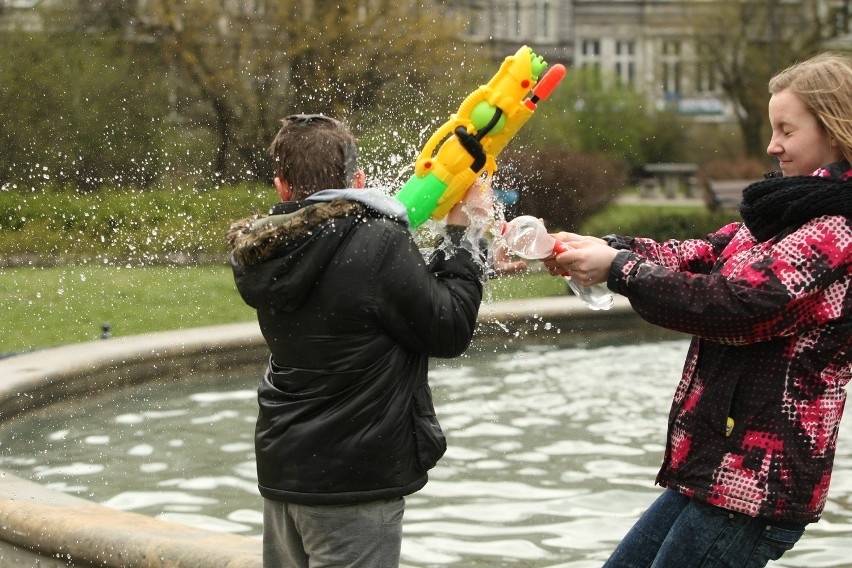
(37, 523)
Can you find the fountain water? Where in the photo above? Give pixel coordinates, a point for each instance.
(555, 431)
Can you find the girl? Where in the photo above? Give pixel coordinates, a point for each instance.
(753, 424)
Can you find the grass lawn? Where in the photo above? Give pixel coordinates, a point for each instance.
(53, 306)
(43, 307)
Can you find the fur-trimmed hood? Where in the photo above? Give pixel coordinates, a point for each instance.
(260, 238)
(277, 258)
(256, 239)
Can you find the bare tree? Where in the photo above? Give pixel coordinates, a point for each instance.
(253, 61)
(744, 42)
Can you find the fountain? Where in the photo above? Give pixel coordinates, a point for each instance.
(541, 468)
(38, 525)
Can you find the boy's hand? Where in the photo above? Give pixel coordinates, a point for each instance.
(475, 208)
(503, 263)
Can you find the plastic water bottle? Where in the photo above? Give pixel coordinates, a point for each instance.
(527, 237)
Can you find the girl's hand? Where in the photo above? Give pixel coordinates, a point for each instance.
(574, 237)
(587, 261)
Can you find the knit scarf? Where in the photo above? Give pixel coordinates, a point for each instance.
(775, 204)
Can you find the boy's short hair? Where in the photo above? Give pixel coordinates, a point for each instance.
(312, 152)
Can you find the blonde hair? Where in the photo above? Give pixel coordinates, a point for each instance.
(824, 84)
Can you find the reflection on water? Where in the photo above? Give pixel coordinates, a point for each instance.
(553, 452)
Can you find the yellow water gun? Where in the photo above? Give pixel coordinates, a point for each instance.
(471, 139)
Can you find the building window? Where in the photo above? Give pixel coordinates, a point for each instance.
(513, 19)
(544, 21)
(591, 49)
(590, 59)
(705, 76)
(840, 19)
(476, 15)
(705, 72)
(625, 61)
(671, 68)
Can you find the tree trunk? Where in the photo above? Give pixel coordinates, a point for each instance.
(221, 166)
(752, 128)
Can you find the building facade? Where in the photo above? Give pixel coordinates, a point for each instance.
(648, 44)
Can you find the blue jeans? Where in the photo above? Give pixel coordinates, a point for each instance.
(363, 535)
(678, 532)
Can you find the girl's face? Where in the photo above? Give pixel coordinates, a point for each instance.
(799, 141)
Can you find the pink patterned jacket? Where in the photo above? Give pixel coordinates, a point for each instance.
(754, 420)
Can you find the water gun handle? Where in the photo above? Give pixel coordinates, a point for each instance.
(474, 148)
(597, 296)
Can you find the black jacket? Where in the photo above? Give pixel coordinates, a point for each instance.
(351, 312)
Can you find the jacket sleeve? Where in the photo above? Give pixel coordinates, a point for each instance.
(694, 255)
(430, 308)
(779, 289)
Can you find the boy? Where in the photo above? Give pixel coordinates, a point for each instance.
(351, 313)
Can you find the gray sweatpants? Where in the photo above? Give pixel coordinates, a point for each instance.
(364, 535)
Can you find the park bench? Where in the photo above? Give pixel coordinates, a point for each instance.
(671, 177)
(725, 193)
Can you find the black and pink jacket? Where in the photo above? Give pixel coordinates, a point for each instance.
(771, 352)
